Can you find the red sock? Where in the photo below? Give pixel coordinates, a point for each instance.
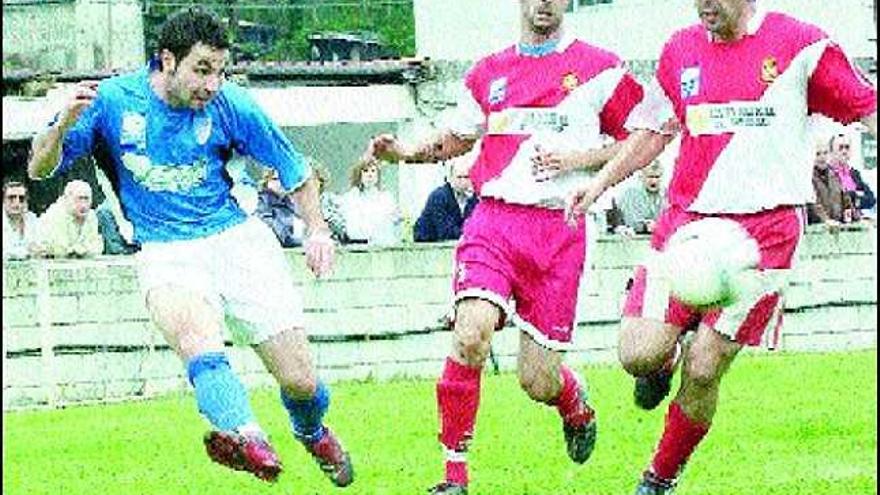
(569, 402)
(458, 397)
(680, 437)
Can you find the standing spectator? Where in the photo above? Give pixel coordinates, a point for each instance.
(276, 208)
(20, 226)
(850, 178)
(69, 226)
(370, 213)
(447, 207)
(635, 210)
(831, 200)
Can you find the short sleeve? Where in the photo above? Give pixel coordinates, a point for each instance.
(839, 90)
(466, 119)
(625, 97)
(79, 140)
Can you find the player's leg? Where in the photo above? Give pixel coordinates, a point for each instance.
(458, 389)
(193, 328)
(690, 414)
(259, 294)
(286, 355)
(649, 350)
(545, 378)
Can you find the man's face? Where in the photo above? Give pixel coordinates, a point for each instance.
(15, 201)
(460, 180)
(543, 16)
(651, 179)
(721, 17)
(841, 148)
(196, 79)
(80, 201)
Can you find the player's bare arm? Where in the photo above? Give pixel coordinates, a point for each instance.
(640, 149)
(46, 149)
(441, 147)
(319, 247)
(547, 164)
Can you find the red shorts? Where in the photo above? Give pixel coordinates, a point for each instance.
(777, 233)
(527, 261)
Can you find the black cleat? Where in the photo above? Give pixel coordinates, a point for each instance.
(650, 390)
(652, 484)
(580, 431)
(447, 488)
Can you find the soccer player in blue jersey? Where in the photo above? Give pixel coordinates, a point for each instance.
(164, 134)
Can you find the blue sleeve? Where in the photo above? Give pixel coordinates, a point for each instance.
(868, 199)
(425, 228)
(255, 135)
(80, 138)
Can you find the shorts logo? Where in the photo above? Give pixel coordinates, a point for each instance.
(690, 82)
(134, 130)
(769, 70)
(497, 91)
(570, 81)
(202, 129)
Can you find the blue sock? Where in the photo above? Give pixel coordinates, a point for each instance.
(306, 415)
(220, 395)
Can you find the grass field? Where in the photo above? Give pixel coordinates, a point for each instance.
(788, 424)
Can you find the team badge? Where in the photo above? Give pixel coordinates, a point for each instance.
(570, 81)
(690, 81)
(134, 130)
(202, 129)
(497, 91)
(769, 70)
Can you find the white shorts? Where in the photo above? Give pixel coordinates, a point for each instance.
(241, 271)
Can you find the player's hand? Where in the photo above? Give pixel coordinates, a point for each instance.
(320, 253)
(84, 94)
(580, 200)
(548, 164)
(384, 147)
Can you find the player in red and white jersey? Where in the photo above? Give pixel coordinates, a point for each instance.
(739, 86)
(541, 109)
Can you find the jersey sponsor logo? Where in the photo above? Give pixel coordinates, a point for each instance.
(497, 91)
(769, 70)
(165, 178)
(690, 82)
(570, 82)
(721, 118)
(202, 128)
(527, 121)
(134, 130)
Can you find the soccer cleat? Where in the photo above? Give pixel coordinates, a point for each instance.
(243, 453)
(650, 390)
(332, 459)
(652, 484)
(447, 488)
(580, 432)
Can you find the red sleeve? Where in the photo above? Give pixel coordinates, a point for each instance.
(839, 90)
(626, 96)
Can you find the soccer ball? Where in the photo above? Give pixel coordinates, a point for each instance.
(707, 262)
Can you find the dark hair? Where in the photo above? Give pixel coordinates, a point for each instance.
(833, 138)
(12, 183)
(183, 29)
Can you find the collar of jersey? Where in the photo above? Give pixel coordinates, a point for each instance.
(545, 48)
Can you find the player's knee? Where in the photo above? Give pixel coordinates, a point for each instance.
(702, 370)
(638, 355)
(539, 386)
(298, 386)
(471, 348)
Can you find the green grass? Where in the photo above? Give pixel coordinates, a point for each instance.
(787, 424)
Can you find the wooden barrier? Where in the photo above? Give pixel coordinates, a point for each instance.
(77, 330)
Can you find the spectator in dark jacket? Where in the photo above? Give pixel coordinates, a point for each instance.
(850, 178)
(277, 209)
(447, 207)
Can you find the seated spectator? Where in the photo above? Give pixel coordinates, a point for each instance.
(850, 178)
(831, 200)
(20, 227)
(370, 213)
(447, 207)
(69, 226)
(635, 209)
(108, 225)
(330, 203)
(277, 209)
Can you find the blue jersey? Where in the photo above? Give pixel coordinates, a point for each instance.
(168, 163)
